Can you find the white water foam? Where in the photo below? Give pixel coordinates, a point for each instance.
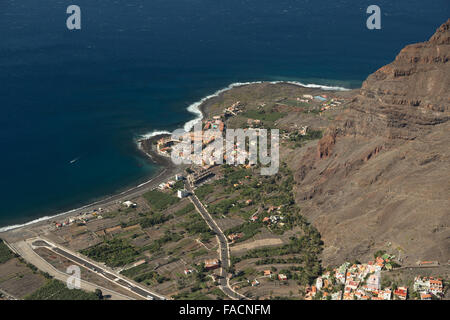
(7, 228)
(195, 107)
(153, 134)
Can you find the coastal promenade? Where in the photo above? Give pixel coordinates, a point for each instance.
(224, 249)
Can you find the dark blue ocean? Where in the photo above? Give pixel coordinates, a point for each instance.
(136, 65)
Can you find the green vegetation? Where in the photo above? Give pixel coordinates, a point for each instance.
(308, 247)
(263, 115)
(379, 253)
(310, 135)
(223, 207)
(132, 272)
(115, 252)
(56, 290)
(159, 200)
(150, 277)
(278, 261)
(190, 207)
(249, 229)
(196, 225)
(156, 218)
(195, 295)
(232, 175)
(156, 245)
(5, 253)
(202, 191)
(199, 253)
(218, 293)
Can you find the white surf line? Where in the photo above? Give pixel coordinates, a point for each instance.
(8, 228)
(195, 107)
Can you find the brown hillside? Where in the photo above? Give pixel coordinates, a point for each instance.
(381, 174)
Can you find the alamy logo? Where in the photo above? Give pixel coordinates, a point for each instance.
(73, 22)
(235, 146)
(374, 20)
(74, 281)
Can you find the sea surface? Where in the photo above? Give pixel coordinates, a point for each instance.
(73, 103)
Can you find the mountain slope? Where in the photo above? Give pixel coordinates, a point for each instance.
(380, 177)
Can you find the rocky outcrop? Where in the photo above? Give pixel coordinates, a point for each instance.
(380, 176)
(405, 98)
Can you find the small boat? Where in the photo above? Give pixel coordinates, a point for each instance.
(74, 160)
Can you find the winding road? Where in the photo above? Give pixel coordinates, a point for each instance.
(224, 249)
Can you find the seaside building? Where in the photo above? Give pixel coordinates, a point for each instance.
(129, 204)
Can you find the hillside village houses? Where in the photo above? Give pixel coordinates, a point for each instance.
(427, 285)
(363, 282)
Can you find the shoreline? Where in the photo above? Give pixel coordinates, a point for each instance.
(167, 168)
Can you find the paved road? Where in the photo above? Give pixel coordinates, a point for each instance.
(224, 250)
(26, 252)
(101, 271)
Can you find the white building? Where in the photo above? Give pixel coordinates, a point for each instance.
(319, 283)
(129, 204)
(182, 194)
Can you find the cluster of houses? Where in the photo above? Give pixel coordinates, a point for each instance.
(213, 130)
(253, 123)
(171, 183)
(269, 220)
(215, 124)
(331, 103)
(265, 274)
(181, 193)
(272, 219)
(233, 110)
(81, 218)
(327, 103)
(428, 286)
(363, 282)
(235, 236)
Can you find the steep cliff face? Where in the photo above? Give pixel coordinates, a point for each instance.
(406, 98)
(381, 174)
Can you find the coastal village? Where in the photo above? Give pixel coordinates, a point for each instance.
(212, 127)
(158, 240)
